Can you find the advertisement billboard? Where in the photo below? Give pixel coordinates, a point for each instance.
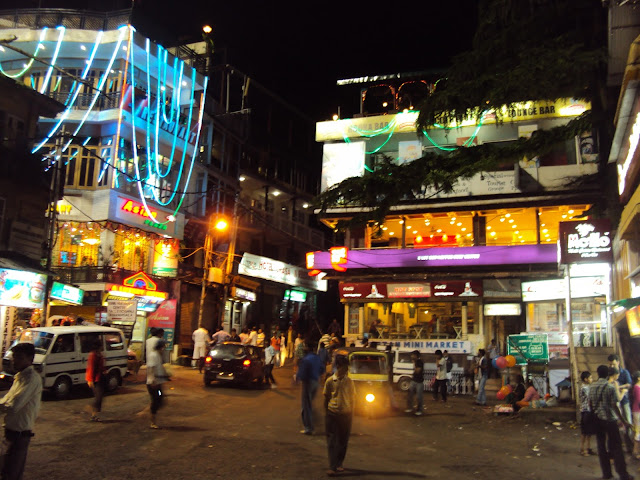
(22, 289)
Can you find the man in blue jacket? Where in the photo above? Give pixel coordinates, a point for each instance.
(309, 370)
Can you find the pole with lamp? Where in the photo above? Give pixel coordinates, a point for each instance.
(220, 225)
(228, 270)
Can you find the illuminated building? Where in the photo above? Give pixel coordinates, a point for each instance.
(455, 265)
(130, 148)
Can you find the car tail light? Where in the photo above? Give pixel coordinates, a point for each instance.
(246, 363)
(208, 359)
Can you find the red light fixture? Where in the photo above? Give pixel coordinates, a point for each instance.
(339, 258)
(246, 363)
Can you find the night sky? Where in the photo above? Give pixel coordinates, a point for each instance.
(300, 49)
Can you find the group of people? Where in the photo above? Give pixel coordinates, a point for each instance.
(614, 397)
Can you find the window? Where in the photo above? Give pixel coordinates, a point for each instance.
(113, 341)
(64, 344)
(88, 340)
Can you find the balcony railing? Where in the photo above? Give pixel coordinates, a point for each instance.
(301, 232)
(75, 275)
(55, 17)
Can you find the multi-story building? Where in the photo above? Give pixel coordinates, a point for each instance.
(131, 149)
(474, 264)
(263, 175)
(25, 196)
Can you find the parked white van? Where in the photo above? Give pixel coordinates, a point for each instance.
(62, 353)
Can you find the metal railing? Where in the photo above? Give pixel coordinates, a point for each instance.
(105, 274)
(55, 17)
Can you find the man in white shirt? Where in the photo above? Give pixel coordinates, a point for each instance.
(201, 340)
(253, 337)
(21, 405)
(441, 377)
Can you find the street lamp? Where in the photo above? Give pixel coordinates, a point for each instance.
(220, 225)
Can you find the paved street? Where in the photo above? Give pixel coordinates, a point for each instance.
(222, 432)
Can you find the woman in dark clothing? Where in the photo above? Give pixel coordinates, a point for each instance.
(94, 376)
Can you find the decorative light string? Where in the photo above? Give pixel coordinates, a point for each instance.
(53, 60)
(26, 68)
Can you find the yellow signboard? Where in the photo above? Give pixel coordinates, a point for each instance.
(404, 122)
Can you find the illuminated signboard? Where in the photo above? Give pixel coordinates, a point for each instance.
(138, 210)
(295, 296)
(138, 285)
(244, 294)
(339, 258)
(274, 270)
(66, 293)
(633, 321)
(585, 242)
(22, 289)
(508, 309)
(408, 290)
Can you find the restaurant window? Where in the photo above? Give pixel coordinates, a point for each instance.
(78, 244)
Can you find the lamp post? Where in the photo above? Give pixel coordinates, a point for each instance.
(220, 226)
(228, 270)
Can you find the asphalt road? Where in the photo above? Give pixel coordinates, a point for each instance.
(232, 433)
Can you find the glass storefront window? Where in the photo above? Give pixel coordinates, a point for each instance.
(131, 250)
(78, 244)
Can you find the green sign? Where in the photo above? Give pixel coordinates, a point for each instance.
(529, 348)
(295, 295)
(66, 293)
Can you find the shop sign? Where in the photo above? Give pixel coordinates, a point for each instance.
(456, 289)
(66, 293)
(141, 285)
(122, 312)
(504, 309)
(529, 348)
(633, 321)
(276, 271)
(243, 294)
(428, 346)
(22, 289)
(137, 209)
(408, 290)
(164, 317)
(365, 291)
(441, 257)
(295, 296)
(581, 287)
(585, 242)
(165, 258)
(339, 258)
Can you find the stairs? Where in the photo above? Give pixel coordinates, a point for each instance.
(589, 358)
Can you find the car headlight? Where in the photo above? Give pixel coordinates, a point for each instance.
(370, 397)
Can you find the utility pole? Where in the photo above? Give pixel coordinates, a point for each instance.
(230, 258)
(205, 273)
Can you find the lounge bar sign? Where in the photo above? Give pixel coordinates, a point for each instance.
(586, 242)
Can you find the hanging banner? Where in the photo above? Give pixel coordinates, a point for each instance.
(164, 317)
(122, 314)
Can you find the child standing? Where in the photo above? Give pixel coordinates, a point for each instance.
(586, 423)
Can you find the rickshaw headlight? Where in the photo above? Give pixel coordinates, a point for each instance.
(370, 397)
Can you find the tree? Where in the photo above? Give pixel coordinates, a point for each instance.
(522, 51)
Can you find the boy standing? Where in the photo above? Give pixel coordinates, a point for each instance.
(339, 399)
(417, 384)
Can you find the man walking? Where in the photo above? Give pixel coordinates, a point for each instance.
(309, 371)
(200, 341)
(269, 361)
(603, 400)
(339, 400)
(417, 384)
(21, 405)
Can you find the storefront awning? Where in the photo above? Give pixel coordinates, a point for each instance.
(625, 303)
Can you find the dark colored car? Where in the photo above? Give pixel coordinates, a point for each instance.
(234, 363)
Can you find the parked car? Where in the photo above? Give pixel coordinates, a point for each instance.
(234, 363)
(62, 353)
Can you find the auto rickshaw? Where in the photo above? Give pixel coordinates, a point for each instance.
(369, 371)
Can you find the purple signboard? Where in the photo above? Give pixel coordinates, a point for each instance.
(443, 257)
